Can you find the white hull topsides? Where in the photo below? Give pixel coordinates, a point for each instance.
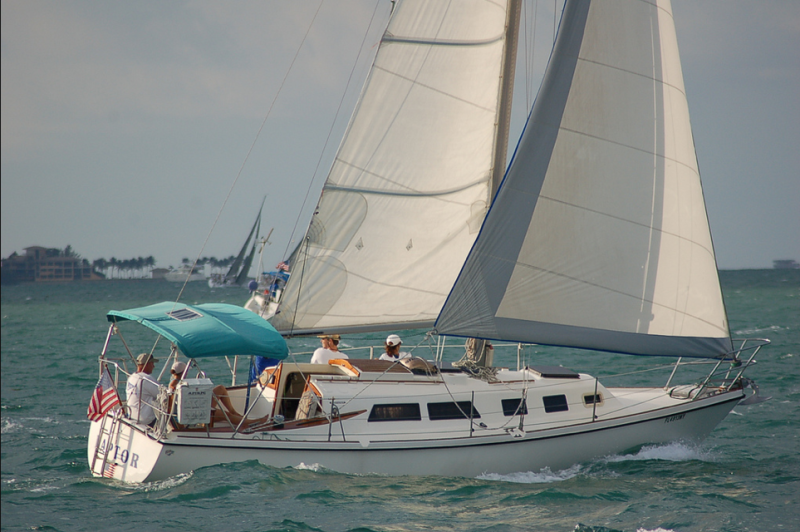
(358, 443)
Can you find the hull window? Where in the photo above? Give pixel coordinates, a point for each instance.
(460, 410)
(592, 398)
(399, 412)
(515, 407)
(555, 403)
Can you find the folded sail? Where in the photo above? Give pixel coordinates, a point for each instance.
(599, 237)
(410, 184)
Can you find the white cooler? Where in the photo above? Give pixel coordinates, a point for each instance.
(194, 401)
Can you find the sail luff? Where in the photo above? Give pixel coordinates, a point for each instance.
(608, 245)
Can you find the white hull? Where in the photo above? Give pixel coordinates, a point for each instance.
(140, 458)
(261, 305)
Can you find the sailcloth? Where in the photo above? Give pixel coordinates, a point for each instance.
(410, 184)
(598, 237)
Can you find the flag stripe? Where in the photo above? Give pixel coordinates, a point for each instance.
(104, 398)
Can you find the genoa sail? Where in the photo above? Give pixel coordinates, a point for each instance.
(598, 237)
(411, 182)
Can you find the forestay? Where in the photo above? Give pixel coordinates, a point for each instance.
(599, 237)
(410, 184)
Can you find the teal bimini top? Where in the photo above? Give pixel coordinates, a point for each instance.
(209, 330)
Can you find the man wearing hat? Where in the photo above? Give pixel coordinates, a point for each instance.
(329, 349)
(393, 353)
(142, 390)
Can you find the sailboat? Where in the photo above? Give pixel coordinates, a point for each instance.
(595, 237)
(237, 274)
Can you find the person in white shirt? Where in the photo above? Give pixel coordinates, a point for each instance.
(393, 353)
(142, 390)
(329, 349)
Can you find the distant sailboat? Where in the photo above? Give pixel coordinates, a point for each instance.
(597, 238)
(239, 270)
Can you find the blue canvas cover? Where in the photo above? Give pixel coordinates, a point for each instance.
(209, 330)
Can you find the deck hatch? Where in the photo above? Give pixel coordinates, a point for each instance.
(554, 372)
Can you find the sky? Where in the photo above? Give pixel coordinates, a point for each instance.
(156, 128)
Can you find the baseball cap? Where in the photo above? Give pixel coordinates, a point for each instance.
(144, 358)
(393, 340)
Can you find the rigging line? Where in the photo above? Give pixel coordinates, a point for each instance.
(330, 131)
(247, 156)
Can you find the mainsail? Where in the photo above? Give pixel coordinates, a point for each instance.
(244, 273)
(598, 237)
(411, 181)
(240, 268)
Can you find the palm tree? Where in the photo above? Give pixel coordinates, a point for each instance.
(99, 265)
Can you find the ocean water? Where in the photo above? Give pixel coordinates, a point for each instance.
(745, 477)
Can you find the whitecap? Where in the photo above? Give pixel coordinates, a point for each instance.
(159, 485)
(758, 330)
(9, 426)
(44, 489)
(659, 529)
(544, 476)
(45, 419)
(312, 467)
(673, 452)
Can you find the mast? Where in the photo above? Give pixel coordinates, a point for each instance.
(506, 93)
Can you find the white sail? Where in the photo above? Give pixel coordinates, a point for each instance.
(599, 236)
(411, 181)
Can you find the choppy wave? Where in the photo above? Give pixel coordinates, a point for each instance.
(544, 476)
(10, 426)
(310, 467)
(673, 452)
(159, 485)
(758, 330)
(586, 528)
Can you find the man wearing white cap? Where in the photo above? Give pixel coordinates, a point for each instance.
(328, 351)
(142, 390)
(393, 353)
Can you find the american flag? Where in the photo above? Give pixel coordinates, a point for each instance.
(108, 470)
(283, 266)
(104, 397)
